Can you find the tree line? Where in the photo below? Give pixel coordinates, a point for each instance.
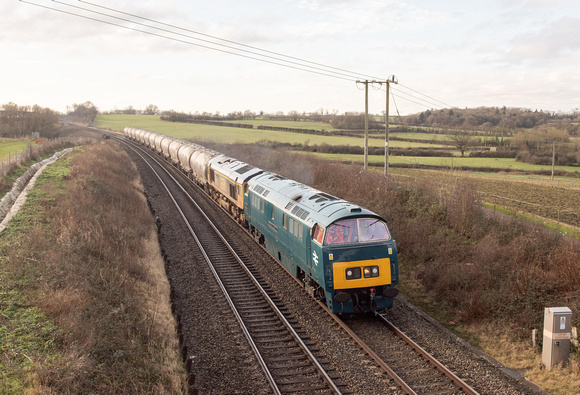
(23, 121)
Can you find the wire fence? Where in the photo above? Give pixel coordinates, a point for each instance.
(15, 159)
(33, 150)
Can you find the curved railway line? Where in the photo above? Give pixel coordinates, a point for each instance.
(292, 361)
(286, 359)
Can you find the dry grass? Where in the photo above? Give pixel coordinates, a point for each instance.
(95, 270)
(519, 355)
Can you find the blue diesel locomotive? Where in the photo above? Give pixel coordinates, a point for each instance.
(344, 254)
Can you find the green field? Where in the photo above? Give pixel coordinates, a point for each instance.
(422, 136)
(286, 124)
(221, 134)
(450, 163)
(11, 146)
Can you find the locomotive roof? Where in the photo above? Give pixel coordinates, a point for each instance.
(232, 168)
(307, 203)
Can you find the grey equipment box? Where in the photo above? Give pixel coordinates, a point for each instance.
(557, 328)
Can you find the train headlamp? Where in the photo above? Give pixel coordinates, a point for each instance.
(371, 271)
(353, 273)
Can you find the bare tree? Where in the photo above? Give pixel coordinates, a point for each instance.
(462, 140)
(151, 109)
(85, 112)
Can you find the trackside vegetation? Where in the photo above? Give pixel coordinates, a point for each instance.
(84, 300)
(484, 275)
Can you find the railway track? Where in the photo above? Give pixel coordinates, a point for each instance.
(288, 358)
(413, 368)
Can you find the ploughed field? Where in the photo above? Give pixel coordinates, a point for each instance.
(558, 201)
(559, 204)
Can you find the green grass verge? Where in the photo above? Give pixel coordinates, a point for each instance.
(28, 338)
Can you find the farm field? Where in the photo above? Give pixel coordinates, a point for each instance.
(286, 124)
(11, 146)
(454, 162)
(557, 201)
(422, 136)
(222, 134)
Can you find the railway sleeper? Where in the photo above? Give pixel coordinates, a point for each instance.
(308, 369)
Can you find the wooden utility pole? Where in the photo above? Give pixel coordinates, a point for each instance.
(393, 80)
(390, 80)
(553, 157)
(366, 124)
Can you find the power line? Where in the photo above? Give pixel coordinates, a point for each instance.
(447, 105)
(412, 101)
(416, 97)
(198, 39)
(186, 42)
(273, 57)
(228, 41)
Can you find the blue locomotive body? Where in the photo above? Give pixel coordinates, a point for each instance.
(344, 254)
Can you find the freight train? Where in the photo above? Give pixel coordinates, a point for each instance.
(343, 254)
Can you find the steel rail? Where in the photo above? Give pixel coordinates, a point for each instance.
(281, 316)
(245, 330)
(452, 376)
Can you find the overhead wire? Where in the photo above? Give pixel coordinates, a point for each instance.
(267, 56)
(423, 104)
(193, 38)
(439, 101)
(186, 42)
(226, 40)
(400, 92)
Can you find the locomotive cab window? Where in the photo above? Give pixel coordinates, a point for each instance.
(357, 230)
(373, 229)
(318, 233)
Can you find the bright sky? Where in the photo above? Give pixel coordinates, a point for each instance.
(517, 53)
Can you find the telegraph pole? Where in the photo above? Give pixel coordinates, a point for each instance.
(366, 124)
(391, 79)
(553, 157)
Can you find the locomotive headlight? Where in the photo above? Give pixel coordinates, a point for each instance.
(353, 273)
(371, 271)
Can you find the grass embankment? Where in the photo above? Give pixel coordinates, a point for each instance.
(491, 275)
(36, 153)
(84, 305)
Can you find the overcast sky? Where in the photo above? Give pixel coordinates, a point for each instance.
(517, 53)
